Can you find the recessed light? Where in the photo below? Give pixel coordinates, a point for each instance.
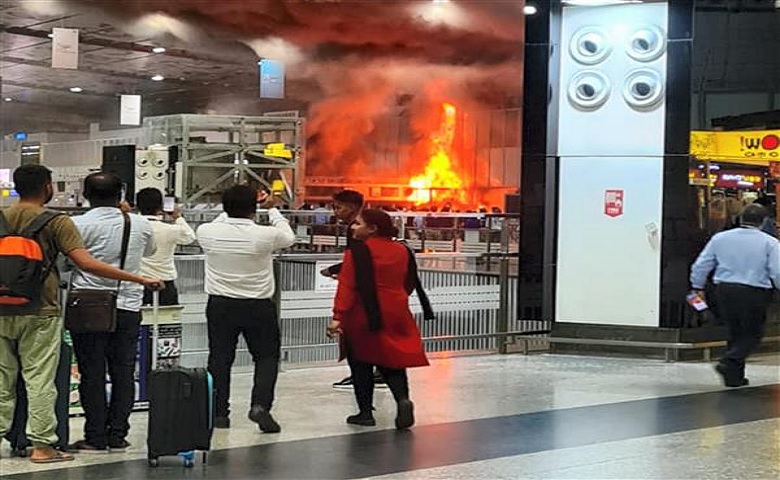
(158, 78)
(529, 10)
(8, 99)
(158, 50)
(76, 89)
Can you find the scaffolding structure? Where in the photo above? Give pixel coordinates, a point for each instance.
(213, 152)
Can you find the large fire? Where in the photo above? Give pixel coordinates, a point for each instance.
(439, 182)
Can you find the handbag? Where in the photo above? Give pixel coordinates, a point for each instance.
(91, 310)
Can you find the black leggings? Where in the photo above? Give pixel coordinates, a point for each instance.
(363, 382)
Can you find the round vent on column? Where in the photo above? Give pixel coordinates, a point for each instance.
(142, 161)
(588, 90)
(590, 46)
(646, 44)
(643, 89)
(142, 175)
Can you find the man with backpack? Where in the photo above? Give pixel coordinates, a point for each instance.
(30, 321)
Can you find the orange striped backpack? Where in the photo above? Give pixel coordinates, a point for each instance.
(23, 268)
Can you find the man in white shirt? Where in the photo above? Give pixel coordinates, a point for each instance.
(240, 285)
(167, 236)
(107, 422)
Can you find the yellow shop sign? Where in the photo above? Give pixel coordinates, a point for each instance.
(756, 147)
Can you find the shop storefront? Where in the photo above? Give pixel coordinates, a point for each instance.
(730, 170)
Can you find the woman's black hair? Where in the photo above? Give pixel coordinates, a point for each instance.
(381, 221)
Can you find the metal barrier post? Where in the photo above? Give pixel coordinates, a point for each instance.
(502, 324)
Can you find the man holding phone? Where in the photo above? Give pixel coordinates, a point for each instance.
(167, 236)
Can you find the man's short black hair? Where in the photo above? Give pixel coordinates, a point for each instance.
(30, 180)
(102, 187)
(753, 215)
(149, 201)
(349, 196)
(240, 201)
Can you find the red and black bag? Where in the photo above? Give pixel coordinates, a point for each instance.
(23, 265)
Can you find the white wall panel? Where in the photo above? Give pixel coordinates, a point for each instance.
(611, 137)
(613, 128)
(609, 267)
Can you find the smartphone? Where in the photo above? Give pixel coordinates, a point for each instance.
(695, 301)
(169, 204)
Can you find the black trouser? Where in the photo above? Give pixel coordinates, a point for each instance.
(96, 353)
(168, 296)
(256, 320)
(363, 383)
(743, 309)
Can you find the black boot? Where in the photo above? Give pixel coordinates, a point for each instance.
(364, 419)
(405, 417)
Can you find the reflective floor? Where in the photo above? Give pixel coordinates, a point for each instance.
(488, 417)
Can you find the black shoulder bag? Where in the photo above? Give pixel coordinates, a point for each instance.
(94, 311)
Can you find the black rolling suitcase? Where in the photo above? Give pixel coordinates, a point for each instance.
(180, 413)
(17, 435)
(181, 409)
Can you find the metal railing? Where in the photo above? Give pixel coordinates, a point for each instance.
(486, 326)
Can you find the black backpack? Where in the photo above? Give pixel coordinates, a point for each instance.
(23, 266)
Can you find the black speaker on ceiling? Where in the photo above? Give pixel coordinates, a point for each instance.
(120, 160)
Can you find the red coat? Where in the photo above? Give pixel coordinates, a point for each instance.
(397, 344)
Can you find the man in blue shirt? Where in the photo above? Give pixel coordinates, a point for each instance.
(746, 262)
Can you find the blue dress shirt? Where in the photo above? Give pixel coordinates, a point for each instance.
(746, 256)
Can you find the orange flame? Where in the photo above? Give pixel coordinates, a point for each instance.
(439, 181)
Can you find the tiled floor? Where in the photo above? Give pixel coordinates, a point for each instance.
(460, 398)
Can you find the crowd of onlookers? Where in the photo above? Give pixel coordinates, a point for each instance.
(117, 254)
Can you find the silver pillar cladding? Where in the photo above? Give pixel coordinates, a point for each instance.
(611, 131)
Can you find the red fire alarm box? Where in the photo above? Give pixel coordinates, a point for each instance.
(613, 203)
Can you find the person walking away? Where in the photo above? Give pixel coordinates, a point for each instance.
(240, 284)
(371, 313)
(746, 262)
(167, 236)
(102, 227)
(31, 336)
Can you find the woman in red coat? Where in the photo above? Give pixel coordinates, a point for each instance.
(371, 313)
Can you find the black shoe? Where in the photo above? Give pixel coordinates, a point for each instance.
(405, 417)
(364, 419)
(86, 447)
(344, 383)
(263, 418)
(221, 422)
(728, 379)
(118, 445)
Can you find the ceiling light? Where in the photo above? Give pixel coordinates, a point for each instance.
(598, 3)
(529, 10)
(76, 89)
(8, 99)
(158, 50)
(158, 78)
(51, 35)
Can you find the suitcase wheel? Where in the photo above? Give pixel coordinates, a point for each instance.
(153, 461)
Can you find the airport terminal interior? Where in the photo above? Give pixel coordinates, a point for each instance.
(555, 166)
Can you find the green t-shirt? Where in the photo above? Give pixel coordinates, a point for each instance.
(59, 236)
